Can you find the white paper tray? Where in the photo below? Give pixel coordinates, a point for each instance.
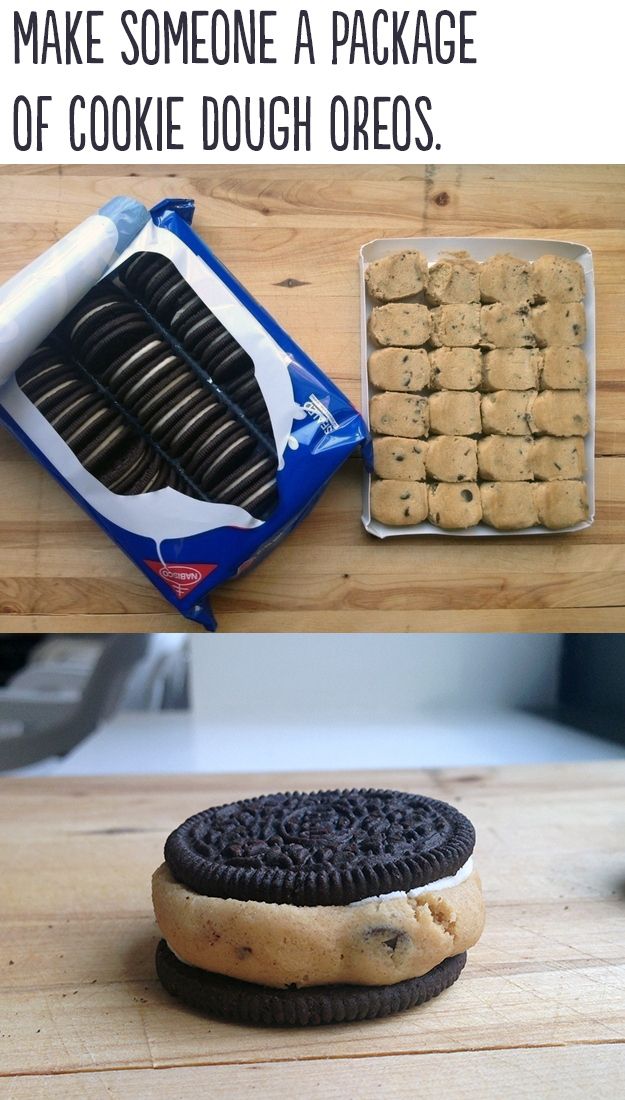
(479, 248)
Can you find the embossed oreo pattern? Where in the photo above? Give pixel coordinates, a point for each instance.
(326, 848)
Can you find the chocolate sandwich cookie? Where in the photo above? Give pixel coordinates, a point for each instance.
(38, 369)
(260, 498)
(200, 330)
(258, 412)
(98, 351)
(205, 337)
(148, 275)
(154, 475)
(50, 389)
(155, 286)
(193, 426)
(100, 348)
(131, 269)
(233, 454)
(167, 418)
(122, 474)
(186, 311)
(134, 380)
(204, 332)
(225, 441)
(297, 909)
(192, 319)
(153, 370)
(98, 451)
(159, 285)
(100, 417)
(72, 411)
(259, 469)
(55, 393)
(152, 402)
(129, 368)
(221, 345)
(41, 364)
(248, 397)
(170, 297)
(244, 390)
(101, 307)
(65, 400)
(139, 270)
(93, 314)
(232, 366)
(201, 446)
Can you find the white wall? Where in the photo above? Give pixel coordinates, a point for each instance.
(306, 680)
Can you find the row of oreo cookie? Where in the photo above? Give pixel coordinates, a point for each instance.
(188, 419)
(158, 285)
(207, 449)
(100, 437)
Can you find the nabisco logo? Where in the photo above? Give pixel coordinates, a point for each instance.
(181, 578)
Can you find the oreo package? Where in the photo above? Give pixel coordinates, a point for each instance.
(165, 400)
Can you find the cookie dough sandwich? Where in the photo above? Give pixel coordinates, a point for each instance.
(298, 909)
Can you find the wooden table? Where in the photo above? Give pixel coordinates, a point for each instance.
(292, 235)
(538, 1012)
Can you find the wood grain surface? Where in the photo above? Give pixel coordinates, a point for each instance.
(292, 236)
(538, 1012)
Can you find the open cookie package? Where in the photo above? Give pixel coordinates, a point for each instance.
(165, 400)
(472, 394)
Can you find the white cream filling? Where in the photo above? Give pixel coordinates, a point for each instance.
(439, 884)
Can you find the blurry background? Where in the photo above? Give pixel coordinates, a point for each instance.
(98, 704)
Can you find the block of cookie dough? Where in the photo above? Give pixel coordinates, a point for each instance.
(456, 368)
(400, 369)
(561, 503)
(400, 414)
(399, 503)
(563, 369)
(454, 507)
(561, 412)
(557, 279)
(509, 505)
(508, 412)
(451, 282)
(400, 325)
(455, 413)
(456, 326)
(507, 326)
(399, 459)
(505, 278)
(511, 369)
(505, 458)
(555, 459)
(451, 458)
(559, 323)
(397, 276)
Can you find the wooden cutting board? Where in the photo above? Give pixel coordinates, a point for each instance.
(538, 1012)
(292, 235)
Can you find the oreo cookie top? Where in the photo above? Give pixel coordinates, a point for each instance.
(326, 848)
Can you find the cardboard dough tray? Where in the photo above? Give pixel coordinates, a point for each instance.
(479, 248)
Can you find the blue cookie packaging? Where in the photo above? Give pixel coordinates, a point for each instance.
(165, 400)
